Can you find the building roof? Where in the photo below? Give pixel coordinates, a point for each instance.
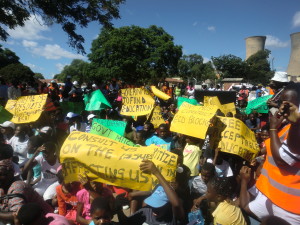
(232, 79)
(174, 80)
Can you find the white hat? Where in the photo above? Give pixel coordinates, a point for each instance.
(94, 85)
(71, 115)
(46, 129)
(75, 83)
(91, 116)
(53, 81)
(280, 77)
(8, 124)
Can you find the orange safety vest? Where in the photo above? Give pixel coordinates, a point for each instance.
(281, 184)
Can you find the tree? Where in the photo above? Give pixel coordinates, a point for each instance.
(259, 68)
(192, 66)
(230, 66)
(78, 69)
(7, 57)
(38, 76)
(133, 52)
(17, 72)
(67, 13)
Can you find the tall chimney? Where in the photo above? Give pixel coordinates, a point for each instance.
(294, 65)
(254, 44)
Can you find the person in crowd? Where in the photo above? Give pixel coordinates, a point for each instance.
(54, 91)
(49, 164)
(89, 123)
(163, 140)
(67, 88)
(3, 92)
(139, 138)
(177, 91)
(190, 91)
(243, 97)
(7, 130)
(76, 93)
(253, 122)
(163, 206)
(149, 130)
(223, 168)
(259, 91)
(211, 88)
(19, 144)
(87, 195)
(218, 88)
(16, 193)
(75, 123)
(14, 91)
(252, 94)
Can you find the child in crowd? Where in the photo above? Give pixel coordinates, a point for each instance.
(139, 138)
(49, 164)
(223, 168)
(163, 140)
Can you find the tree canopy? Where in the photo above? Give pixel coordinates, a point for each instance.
(67, 13)
(16, 72)
(39, 76)
(133, 52)
(7, 57)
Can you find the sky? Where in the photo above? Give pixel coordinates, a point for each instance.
(209, 28)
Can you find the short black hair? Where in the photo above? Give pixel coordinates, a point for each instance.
(36, 141)
(52, 146)
(164, 125)
(209, 167)
(151, 126)
(100, 203)
(6, 151)
(29, 213)
(222, 186)
(294, 87)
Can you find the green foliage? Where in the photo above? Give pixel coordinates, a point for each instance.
(7, 57)
(133, 52)
(17, 72)
(193, 66)
(259, 68)
(230, 66)
(78, 69)
(38, 76)
(67, 13)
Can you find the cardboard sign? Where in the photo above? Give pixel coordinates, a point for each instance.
(26, 109)
(156, 118)
(108, 161)
(236, 138)
(159, 93)
(229, 107)
(103, 131)
(115, 125)
(259, 105)
(225, 108)
(181, 100)
(136, 102)
(193, 120)
(95, 101)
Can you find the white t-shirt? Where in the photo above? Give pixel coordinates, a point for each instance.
(75, 127)
(20, 148)
(198, 185)
(48, 172)
(223, 170)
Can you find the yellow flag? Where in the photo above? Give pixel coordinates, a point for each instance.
(156, 118)
(236, 138)
(136, 102)
(193, 120)
(26, 108)
(111, 162)
(159, 93)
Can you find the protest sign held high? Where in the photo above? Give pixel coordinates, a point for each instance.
(136, 102)
(259, 105)
(95, 101)
(181, 100)
(115, 125)
(103, 131)
(225, 108)
(156, 117)
(159, 93)
(112, 162)
(236, 138)
(26, 109)
(193, 120)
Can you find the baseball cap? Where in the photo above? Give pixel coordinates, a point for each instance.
(71, 115)
(75, 83)
(158, 198)
(91, 116)
(280, 76)
(8, 124)
(45, 130)
(94, 85)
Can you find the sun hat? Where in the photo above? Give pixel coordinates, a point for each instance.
(8, 124)
(91, 116)
(280, 76)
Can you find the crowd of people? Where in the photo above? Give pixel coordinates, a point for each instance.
(211, 186)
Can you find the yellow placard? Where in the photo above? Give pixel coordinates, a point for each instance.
(156, 118)
(159, 93)
(111, 162)
(235, 137)
(26, 109)
(225, 108)
(193, 120)
(136, 102)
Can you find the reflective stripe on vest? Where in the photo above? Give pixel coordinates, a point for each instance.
(280, 184)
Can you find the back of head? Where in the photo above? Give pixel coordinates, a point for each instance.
(6, 151)
(209, 167)
(29, 213)
(294, 87)
(36, 141)
(222, 186)
(100, 203)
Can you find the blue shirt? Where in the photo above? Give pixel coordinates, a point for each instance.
(166, 143)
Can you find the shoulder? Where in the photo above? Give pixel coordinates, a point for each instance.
(17, 187)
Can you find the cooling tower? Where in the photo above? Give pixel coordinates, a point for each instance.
(294, 64)
(254, 44)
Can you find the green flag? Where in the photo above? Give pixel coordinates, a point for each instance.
(259, 105)
(103, 131)
(95, 101)
(115, 125)
(181, 100)
(4, 115)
